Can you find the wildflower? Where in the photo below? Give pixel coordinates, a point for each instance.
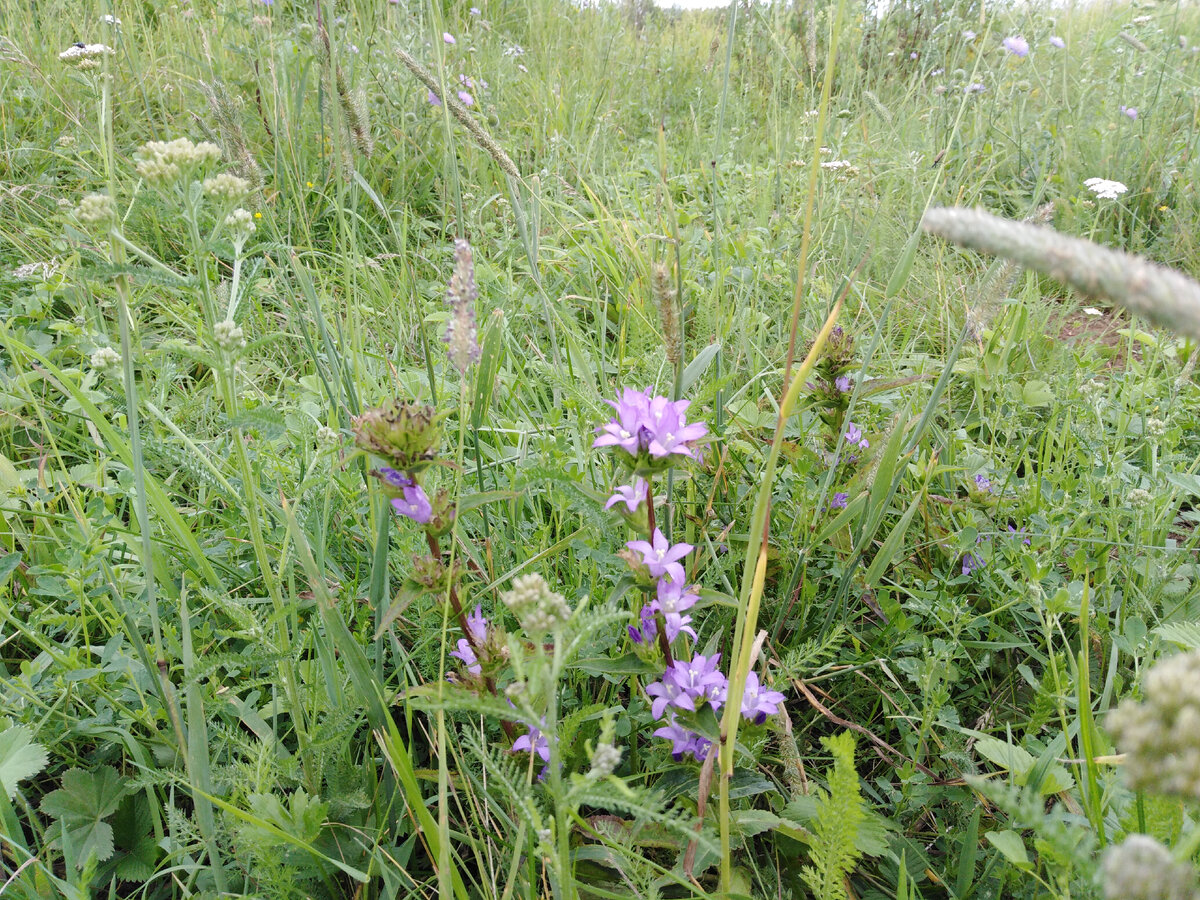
(1140, 868)
(758, 703)
(514, 50)
(433, 99)
(240, 224)
(1105, 189)
(1130, 111)
(686, 684)
(1016, 45)
(975, 88)
(854, 436)
(42, 270)
(605, 759)
(461, 294)
(684, 741)
(448, 38)
(1056, 41)
(111, 20)
(539, 609)
(1161, 735)
(534, 742)
(404, 432)
(477, 629)
(414, 503)
(469, 660)
(632, 495)
(839, 500)
(327, 435)
(983, 484)
(675, 596)
(466, 98)
(674, 624)
(229, 335)
(1155, 428)
(968, 35)
(105, 358)
(650, 430)
(842, 383)
(661, 558)
(1019, 532)
(86, 56)
(1140, 498)
(475, 11)
(970, 563)
(96, 209)
(160, 162)
(226, 187)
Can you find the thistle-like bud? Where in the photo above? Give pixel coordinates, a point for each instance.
(441, 520)
(539, 609)
(1140, 868)
(430, 575)
(1161, 735)
(404, 432)
(96, 210)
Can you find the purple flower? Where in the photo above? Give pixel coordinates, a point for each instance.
(477, 624)
(1130, 111)
(675, 625)
(1056, 41)
(975, 88)
(666, 693)
(685, 684)
(839, 500)
(674, 597)
(757, 702)
(534, 742)
(982, 484)
(414, 504)
(968, 35)
(1016, 45)
(854, 436)
(650, 425)
(970, 563)
(661, 557)
(632, 495)
(433, 99)
(1019, 532)
(466, 82)
(448, 38)
(467, 99)
(475, 11)
(467, 655)
(842, 383)
(684, 741)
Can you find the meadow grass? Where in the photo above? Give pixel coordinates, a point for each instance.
(944, 505)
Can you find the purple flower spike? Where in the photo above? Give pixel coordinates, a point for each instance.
(534, 742)
(854, 436)
(632, 495)
(468, 657)
(842, 383)
(1016, 45)
(757, 702)
(661, 557)
(839, 500)
(414, 504)
(684, 742)
(685, 685)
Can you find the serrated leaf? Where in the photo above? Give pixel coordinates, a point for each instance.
(81, 805)
(1185, 634)
(20, 757)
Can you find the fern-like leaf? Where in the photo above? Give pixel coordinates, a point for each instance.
(840, 813)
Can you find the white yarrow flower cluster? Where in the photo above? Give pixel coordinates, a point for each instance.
(86, 56)
(96, 209)
(160, 162)
(1161, 735)
(229, 335)
(1105, 189)
(540, 609)
(1141, 868)
(104, 359)
(226, 187)
(240, 224)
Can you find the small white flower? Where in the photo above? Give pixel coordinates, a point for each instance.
(39, 270)
(86, 56)
(1105, 189)
(111, 20)
(226, 186)
(96, 209)
(230, 336)
(105, 358)
(240, 224)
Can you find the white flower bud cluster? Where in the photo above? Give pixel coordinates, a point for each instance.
(230, 336)
(160, 162)
(605, 759)
(327, 435)
(96, 209)
(105, 358)
(1161, 735)
(240, 224)
(1140, 498)
(1143, 869)
(1155, 428)
(539, 609)
(86, 56)
(226, 187)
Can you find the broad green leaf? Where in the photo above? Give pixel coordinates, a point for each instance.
(81, 805)
(1011, 846)
(697, 367)
(1036, 393)
(20, 757)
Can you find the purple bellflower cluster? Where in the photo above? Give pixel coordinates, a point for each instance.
(649, 434)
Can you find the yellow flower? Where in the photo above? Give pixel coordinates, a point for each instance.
(309, 183)
(1163, 208)
(258, 215)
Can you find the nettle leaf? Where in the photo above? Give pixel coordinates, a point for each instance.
(81, 805)
(20, 757)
